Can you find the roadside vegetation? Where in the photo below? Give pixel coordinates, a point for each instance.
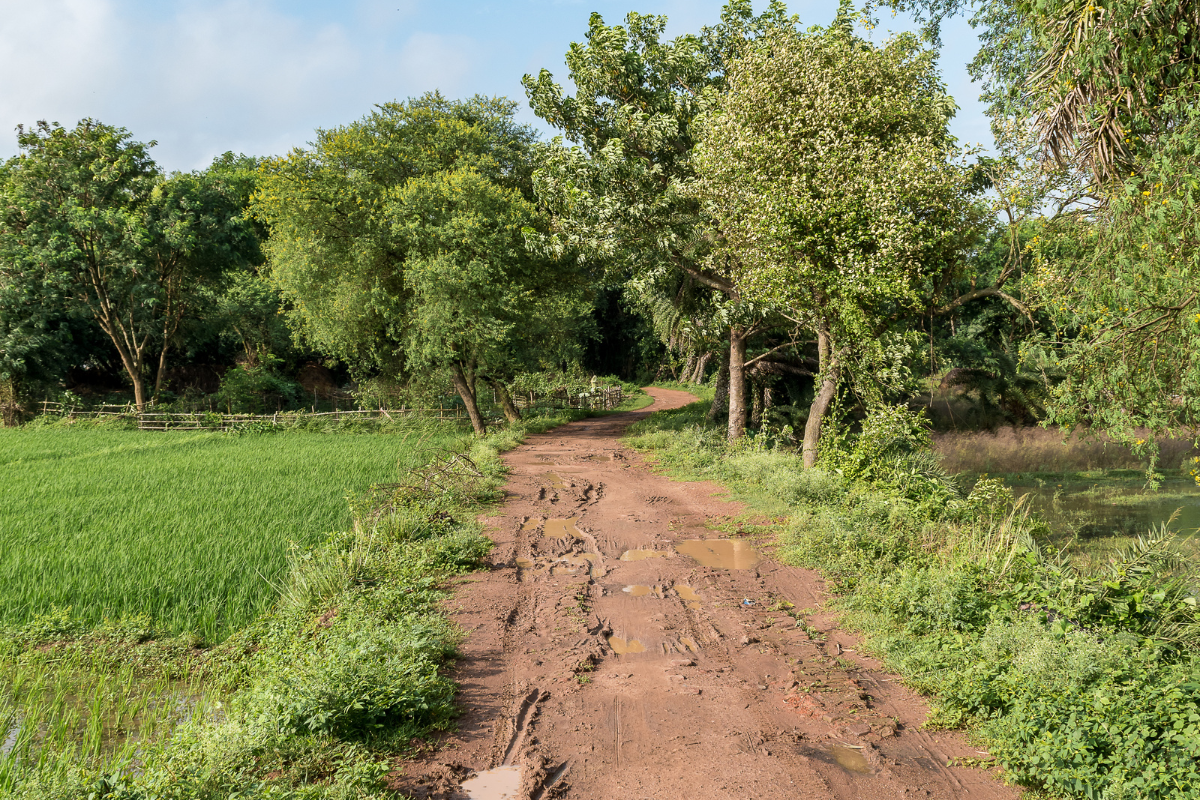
(321, 693)
(1082, 681)
(880, 316)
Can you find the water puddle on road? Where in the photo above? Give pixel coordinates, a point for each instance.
(554, 479)
(639, 555)
(638, 591)
(526, 563)
(720, 553)
(686, 593)
(689, 644)
(562, 528)
(501, 783)
(622, 646)
(530, 524)
(851, 759)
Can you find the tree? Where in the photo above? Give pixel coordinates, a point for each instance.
(398, 243)
(617, 196)
(827, 172)
(1123, 290)
(87, 217)
(1102, 81)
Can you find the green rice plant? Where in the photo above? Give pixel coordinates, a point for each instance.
(63, 713)
(192, 529)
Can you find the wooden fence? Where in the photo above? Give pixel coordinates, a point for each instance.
(601, 399)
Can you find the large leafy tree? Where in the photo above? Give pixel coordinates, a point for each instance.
(398, 243)
(615, 183)
(829, 176)
(1101, 81)
(1107, 93)
(1123, 290)
(89, 225)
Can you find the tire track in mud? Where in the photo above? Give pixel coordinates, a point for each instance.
(603, 662)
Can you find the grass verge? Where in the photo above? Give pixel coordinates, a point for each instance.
(1083, 683)
(321, 697)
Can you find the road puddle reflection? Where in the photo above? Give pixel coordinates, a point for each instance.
(639, 555)
(851, 759)
(720, 553)
(562, 528)
(622, 646)
(501, 783)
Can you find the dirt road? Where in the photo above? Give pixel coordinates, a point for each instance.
(621, 647)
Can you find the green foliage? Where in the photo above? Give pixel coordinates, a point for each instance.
(190, 528)
(1124, 297)
(89, 227)
(257, 388)
(398, 244)
(828, 174)
(329, 686)
(1085, 684)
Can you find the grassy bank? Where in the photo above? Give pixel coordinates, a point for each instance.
(1083, 682)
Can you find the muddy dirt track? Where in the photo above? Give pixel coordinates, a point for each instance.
(621, 647)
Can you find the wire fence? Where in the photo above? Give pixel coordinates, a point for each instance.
(600, 399)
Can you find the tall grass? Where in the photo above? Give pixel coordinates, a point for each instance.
(192, 529)
(1033, 449)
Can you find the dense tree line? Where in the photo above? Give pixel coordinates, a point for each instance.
(776, 209)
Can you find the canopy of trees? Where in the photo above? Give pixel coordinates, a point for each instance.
(399, 244)
(775, 209)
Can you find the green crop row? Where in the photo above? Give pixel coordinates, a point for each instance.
(192, 529)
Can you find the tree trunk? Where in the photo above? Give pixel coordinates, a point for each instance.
(468, 397)
(511, 412)
(756, 404)
(720, 390)
(829, 371)
(701, 367)
(162, 371)
(689, 367)
(737, 383)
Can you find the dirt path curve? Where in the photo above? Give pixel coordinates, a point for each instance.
(603, 662)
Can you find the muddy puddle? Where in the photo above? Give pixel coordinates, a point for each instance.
(562, 528)
(850, 759)
(531, 524)
(686, 593)
(622, 646)
(720, 553)
(641, 591)
(500, 783)
(554, 479)
(689, 644)
(526, 563)
(639, 555)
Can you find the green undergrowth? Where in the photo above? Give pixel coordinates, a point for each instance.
(321, 697)
(1082, 683)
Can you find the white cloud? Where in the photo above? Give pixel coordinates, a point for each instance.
(58, 57)
(429, 61)
(204, 77)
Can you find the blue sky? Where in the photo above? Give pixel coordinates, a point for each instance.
(258, 76)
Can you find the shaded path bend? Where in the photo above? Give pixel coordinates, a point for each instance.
(602, 662)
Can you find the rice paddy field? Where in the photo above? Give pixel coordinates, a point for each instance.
(192, 529)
